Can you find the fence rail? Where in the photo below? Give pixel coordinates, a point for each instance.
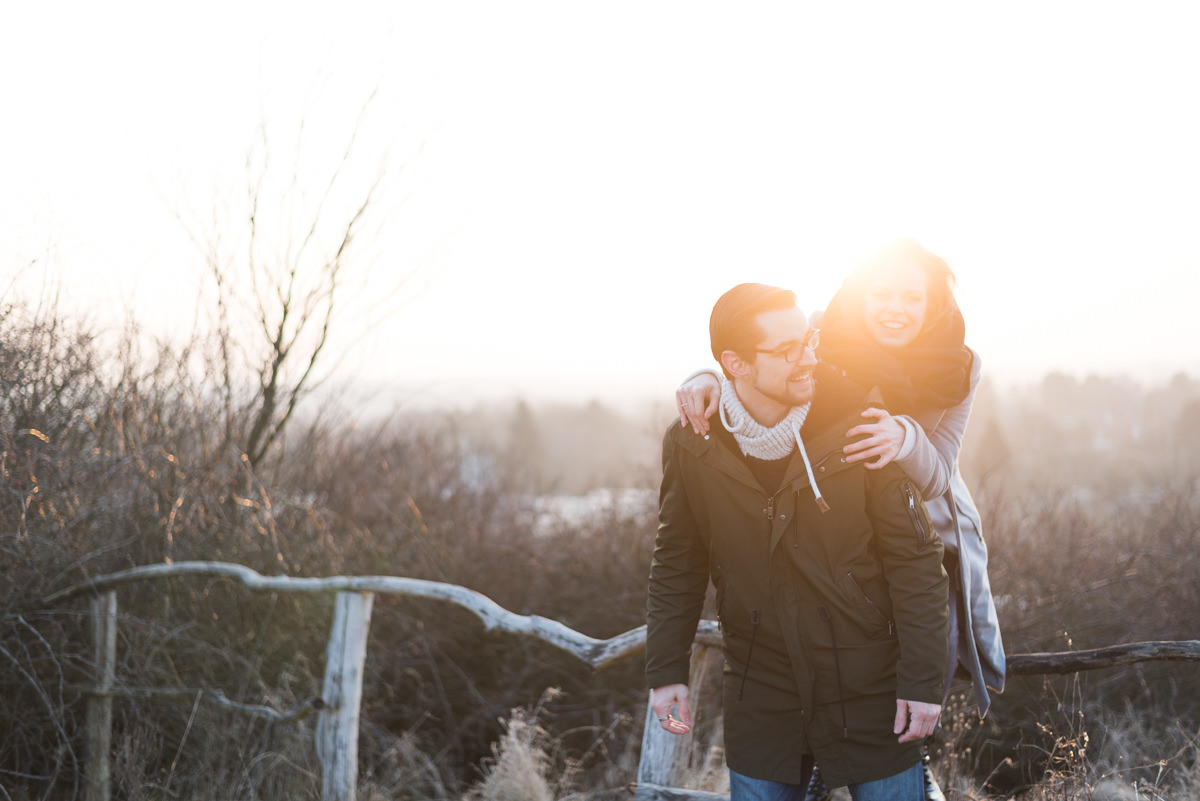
(338, 706)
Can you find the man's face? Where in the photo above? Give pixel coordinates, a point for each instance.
(770, 375)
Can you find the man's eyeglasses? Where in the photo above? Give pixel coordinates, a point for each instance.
(794, 353)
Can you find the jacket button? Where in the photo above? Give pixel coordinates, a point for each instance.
(821, 468)
(783, 517)
(706, 436)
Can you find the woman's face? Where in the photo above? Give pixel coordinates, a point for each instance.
(896, 304)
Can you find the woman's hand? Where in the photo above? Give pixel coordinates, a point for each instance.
(884, 439)
(698, 400)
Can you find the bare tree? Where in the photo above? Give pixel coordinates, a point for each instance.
(284, 263)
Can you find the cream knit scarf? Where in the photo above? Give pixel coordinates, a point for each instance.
(761, 442)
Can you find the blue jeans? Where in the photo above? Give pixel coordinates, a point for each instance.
(907, 785)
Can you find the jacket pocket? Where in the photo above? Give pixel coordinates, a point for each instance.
(917, 513)
(872, 616)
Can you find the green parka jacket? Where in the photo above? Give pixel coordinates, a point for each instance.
(827, 618)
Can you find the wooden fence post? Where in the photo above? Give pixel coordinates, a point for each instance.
(337, 727)
(666, 759)
(97, 769)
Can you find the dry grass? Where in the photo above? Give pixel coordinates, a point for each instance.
(1123, 761)
(520, 767)
(530, 764)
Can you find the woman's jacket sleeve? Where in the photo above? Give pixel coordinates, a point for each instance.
(934, 456)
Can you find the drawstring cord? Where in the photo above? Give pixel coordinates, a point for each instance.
(837, 669)
(812, 479)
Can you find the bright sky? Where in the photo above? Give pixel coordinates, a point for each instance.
(584, 180)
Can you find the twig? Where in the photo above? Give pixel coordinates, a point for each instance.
(213, 696)
(186, 730)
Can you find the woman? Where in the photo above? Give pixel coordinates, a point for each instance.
(895, 325)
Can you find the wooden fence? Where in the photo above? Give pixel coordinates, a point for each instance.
(662, 756)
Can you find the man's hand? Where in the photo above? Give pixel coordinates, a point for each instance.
(664, 699)
(915, 720)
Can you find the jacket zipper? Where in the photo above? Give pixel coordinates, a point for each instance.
(891, 623)
(913, 514)
(769, 513)
(837, 669)
(749, 651)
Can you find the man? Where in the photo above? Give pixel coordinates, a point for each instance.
(830, 588)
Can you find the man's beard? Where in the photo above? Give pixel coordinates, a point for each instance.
(790, 399)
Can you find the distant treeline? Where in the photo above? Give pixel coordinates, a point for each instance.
(1078, 423)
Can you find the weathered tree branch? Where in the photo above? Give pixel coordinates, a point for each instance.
(1112, 656)
(655, 792)
(596, 653)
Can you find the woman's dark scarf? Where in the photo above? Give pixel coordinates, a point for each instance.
(932, 370)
